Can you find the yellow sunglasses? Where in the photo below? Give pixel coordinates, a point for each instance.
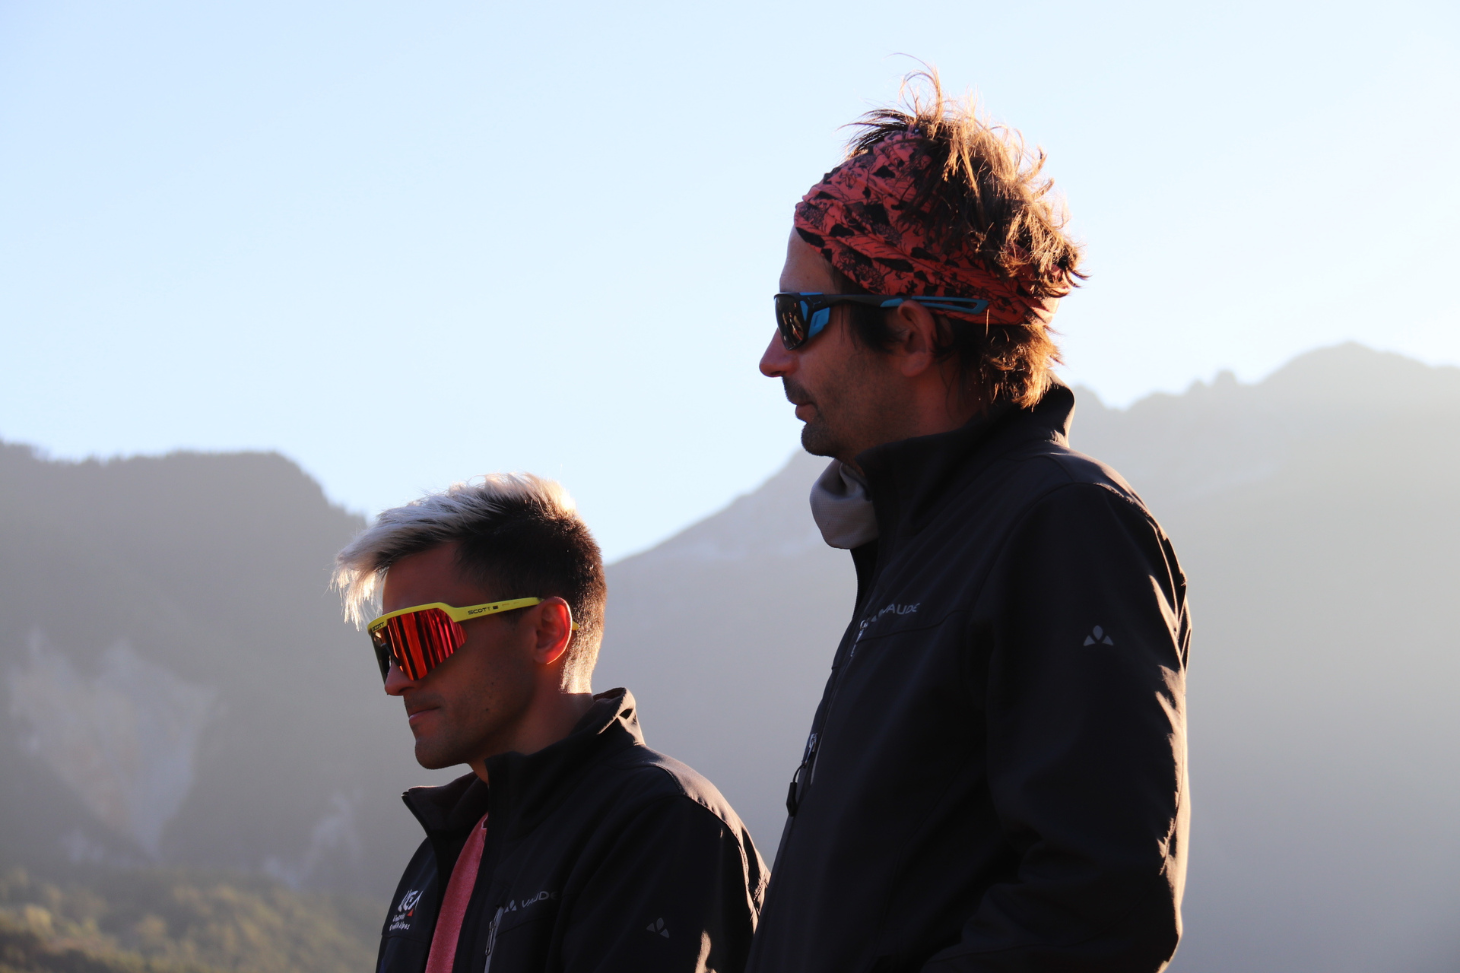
(422, 637)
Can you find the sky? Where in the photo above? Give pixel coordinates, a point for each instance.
(404, 244)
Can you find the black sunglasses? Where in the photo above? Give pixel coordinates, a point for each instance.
(801, 317)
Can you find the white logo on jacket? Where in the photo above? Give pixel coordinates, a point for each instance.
(543, 896)
(403, 912)
(894, 609)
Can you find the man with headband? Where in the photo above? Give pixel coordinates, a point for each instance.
(995, 779)
(570, 845)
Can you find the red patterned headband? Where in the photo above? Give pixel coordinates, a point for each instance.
(853, 216)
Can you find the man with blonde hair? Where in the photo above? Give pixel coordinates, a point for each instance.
(995, 779)
(571, 845)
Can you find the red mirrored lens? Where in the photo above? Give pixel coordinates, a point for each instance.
(421, 641)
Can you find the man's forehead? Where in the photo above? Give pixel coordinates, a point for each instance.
(427, 576)
(805, 269)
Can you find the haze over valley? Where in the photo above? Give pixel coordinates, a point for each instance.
(180, 689)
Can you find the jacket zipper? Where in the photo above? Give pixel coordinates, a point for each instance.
(492, 938)
(807, 767)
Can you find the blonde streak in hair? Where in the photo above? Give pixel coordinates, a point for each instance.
(361, 566)
(528, 487)
(357, 576)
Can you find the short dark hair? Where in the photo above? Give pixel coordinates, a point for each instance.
(516, 534)
(542, 551)
(984, 193)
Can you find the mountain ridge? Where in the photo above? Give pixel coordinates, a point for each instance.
(184, 599)
(1314, 514)
(1291, 404)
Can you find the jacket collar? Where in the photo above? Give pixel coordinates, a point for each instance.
(525, 787)
(909, 478)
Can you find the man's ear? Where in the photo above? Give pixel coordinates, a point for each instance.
(917, 338)
(554, 630)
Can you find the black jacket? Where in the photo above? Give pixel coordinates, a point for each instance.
(600, 855)
(996, 776)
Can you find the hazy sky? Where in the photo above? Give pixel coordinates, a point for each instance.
(407, 243)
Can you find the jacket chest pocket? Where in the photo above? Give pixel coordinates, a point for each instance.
(889, 620)
(909, 666)
(906, 639)
(519, 935)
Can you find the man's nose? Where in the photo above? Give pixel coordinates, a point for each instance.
(396, 682)
(777, 361)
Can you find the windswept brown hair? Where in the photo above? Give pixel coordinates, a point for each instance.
(984, 194)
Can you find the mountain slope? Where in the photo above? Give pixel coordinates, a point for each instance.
(180, 686)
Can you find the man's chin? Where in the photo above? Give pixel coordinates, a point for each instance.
(435, 757)
(817, 441)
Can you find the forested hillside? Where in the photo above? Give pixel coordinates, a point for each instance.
(102, 920)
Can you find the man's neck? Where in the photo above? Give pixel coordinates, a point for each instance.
(929, 423)
(550, 718)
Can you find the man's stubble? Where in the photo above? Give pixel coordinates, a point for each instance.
(853, 409)
(817, 436)
(481, 717)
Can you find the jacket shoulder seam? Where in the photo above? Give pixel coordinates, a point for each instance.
(1111, 489)
(679, 791)
(692, 798)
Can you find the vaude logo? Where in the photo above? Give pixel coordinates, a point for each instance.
(892, 609)
(533, 900)
(512, 905)
(1098, 636)
(895, 609)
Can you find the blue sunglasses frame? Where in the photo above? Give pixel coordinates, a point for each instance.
(802, 315)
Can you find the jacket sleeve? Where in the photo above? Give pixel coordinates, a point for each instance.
(677, 892)
(1086, 745)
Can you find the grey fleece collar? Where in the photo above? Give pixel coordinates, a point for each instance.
(842, 507)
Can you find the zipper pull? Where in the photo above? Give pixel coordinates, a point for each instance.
(792, 799)
(492, 937)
